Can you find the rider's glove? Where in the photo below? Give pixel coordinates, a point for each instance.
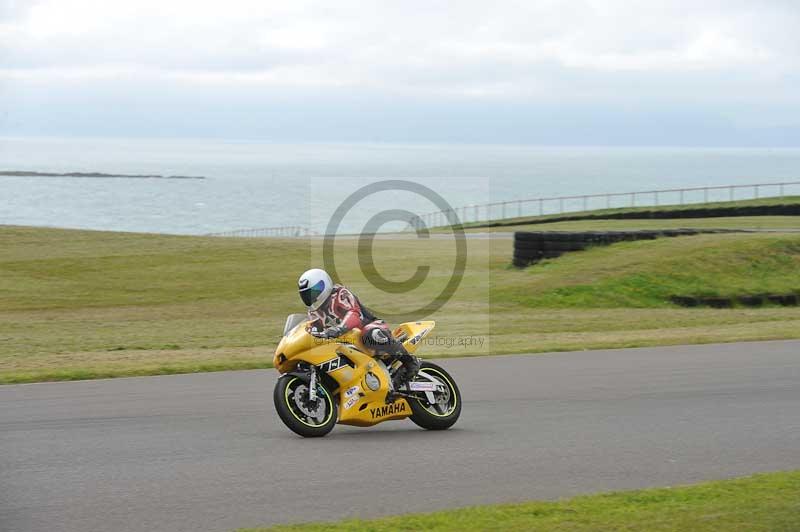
(330, 332)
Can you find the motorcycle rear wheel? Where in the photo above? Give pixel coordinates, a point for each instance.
(291, 403)
(443, 414)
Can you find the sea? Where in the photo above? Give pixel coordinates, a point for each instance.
(257, 184)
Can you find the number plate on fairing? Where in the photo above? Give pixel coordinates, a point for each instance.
(422, 386)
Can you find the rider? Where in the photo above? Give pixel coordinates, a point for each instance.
(334, 310)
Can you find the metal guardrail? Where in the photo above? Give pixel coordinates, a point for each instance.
(502, 210)
(288, 231)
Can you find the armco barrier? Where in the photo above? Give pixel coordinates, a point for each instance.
(502, 213)
(531, 247)
(700, 212)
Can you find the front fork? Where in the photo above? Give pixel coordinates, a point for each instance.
(312, 385)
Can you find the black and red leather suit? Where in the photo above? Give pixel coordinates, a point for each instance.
(342, 312)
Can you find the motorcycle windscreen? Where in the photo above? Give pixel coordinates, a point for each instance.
(292, 321)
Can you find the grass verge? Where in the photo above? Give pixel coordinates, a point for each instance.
(764, 502)
(84, 304)
(645, 274)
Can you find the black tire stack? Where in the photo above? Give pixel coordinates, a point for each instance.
(531, 247)
(747, 300)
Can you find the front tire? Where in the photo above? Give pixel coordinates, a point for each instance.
(291, 403)
(445, 412)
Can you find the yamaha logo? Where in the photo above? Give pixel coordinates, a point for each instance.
(388, 410)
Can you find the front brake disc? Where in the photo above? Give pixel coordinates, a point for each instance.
(317, 412)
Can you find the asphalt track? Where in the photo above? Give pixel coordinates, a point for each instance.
(207, 452)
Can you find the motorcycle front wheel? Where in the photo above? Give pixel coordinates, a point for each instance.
(310, 420)
(444, 411)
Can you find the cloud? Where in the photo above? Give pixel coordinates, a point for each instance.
(586, 52)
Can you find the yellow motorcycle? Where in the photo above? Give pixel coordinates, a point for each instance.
(338, 380)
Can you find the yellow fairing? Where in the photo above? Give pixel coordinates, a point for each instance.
(413, 332)
(363, 381)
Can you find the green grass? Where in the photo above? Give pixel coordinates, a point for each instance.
(533, 222)
(765, 502)
(84, 304)
(734, 222)
(646, 273)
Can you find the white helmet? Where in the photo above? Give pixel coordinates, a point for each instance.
(315, 286)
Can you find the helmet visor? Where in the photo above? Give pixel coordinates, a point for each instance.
(309, 295)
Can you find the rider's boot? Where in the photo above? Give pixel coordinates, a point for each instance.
(382, 341)
(409, 369)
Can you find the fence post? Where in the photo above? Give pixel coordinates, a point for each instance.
(705, 195)
(681, 196)
(585, 203)
(519, 208)
(780, 190)
(608, 201)
(656, 197)
(503, 210)
(561, 205)
(756, 189)
(633, 199)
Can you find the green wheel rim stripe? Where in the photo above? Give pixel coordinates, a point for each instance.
(452, 391)
(289, 406)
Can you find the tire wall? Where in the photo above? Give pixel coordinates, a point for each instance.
(531, 247)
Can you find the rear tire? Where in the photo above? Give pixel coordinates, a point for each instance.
(433, 417)
(290, 397)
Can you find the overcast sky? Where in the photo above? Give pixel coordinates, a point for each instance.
(539, 71)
